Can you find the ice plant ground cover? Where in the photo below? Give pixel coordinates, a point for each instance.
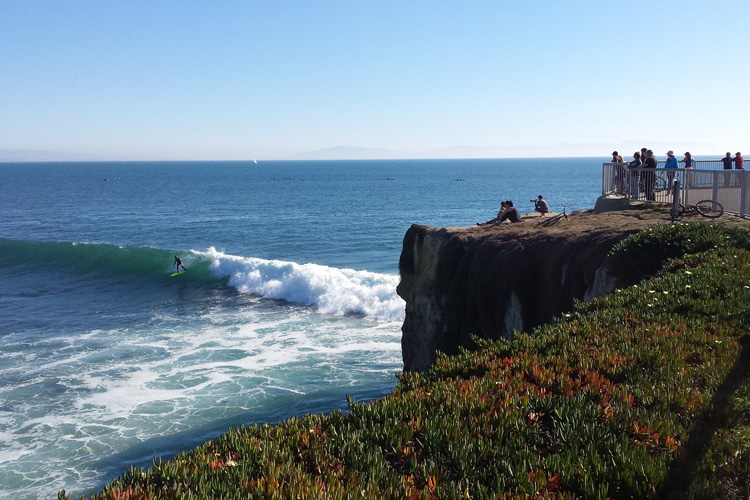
(644, 393)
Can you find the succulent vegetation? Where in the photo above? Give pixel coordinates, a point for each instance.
(646, 252)
(644, 393)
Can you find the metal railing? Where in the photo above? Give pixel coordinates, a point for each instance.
(708, 180)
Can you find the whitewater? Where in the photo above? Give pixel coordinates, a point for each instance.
(288, 305)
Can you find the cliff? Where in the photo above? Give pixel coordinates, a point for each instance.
(491, 280)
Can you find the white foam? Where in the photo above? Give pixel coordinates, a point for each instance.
(330, 290)
(101, 392)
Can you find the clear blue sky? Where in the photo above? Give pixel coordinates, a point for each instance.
(267, 79)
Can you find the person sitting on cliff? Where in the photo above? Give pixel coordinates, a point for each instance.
(500, 213)
(540, 205)
(511, 214)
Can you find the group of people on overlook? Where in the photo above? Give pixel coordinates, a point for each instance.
(640, 157)
(645, 159)
(738, 160)
(642, 177)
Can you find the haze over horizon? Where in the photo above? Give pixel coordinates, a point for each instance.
(166, 80)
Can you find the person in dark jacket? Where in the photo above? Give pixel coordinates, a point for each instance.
(727, 163)
(511, 213)
(634, 166)
(650, 176)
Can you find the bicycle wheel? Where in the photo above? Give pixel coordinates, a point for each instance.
(660, 185)
(710, 208)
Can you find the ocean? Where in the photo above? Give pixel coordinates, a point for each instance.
(288, 304)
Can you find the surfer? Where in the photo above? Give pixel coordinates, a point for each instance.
(178, 263)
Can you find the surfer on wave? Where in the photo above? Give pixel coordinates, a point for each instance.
(178, 263)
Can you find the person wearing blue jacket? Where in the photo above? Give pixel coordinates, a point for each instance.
(672, 165)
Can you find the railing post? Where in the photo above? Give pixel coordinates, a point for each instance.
(715, 195)
(686, 185)
(743, 192)
(627, 182)
(676, 203)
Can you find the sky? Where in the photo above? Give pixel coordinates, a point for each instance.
(247, 79)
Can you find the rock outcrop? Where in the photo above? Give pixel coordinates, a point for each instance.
(491, 280)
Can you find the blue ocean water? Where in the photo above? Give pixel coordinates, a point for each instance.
(288, 304)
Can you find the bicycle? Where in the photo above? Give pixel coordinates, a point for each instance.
(660, 184)
(554, 219)
(707, 208)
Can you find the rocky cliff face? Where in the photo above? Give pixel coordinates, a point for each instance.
(491, 280)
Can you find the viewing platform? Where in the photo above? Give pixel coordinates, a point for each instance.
(708, 180)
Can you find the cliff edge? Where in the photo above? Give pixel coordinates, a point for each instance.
(491, 280)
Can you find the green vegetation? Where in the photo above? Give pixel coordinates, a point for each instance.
(645, 253)
(641, 394)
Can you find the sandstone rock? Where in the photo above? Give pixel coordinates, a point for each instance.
(491, 280)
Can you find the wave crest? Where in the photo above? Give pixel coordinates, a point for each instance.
(331, 290)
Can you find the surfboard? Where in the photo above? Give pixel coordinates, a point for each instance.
(178, 273)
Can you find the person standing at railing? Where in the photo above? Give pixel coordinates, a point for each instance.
(650, 175)
(643, 165)
(619, 172)
(688, 161)
(634, 166)
(671, 165)
(727, 162)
